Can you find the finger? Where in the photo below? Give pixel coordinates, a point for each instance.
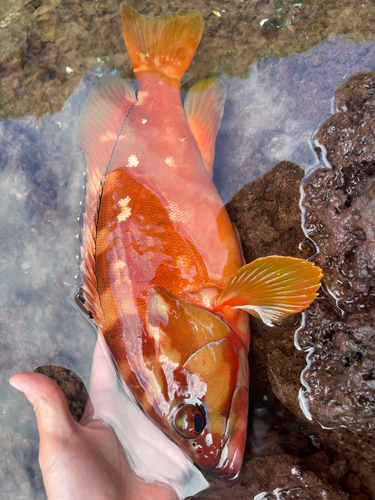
(49, 403)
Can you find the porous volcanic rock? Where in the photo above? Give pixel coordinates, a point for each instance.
(268, 473)
(71, 385)
(266, 213)
(339, 458)
(340, 219)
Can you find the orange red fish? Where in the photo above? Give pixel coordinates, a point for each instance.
(162, 265)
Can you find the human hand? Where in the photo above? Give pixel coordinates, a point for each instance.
(87, 460)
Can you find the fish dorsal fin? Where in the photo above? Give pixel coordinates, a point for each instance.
(162, 45)
(272, 288)
(204, 108)
(98, 129)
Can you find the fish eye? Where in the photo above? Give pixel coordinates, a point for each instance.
(189, 421)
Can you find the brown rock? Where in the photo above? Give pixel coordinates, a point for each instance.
(340, 214)
(71, 385)
(266, 213)
(267, 474)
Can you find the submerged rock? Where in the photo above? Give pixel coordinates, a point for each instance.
(340, 218)
(47, 47)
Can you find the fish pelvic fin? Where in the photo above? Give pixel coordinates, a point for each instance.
(98, 130)
(204, 108)
(272, 288)
(164, 45)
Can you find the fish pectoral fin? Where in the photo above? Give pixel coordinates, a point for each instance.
(272, 288)
(164, 45)
(204, 108)
(98, 130)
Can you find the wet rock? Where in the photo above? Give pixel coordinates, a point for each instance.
(340, 214)
(41, 42)
(71, 385)
(266, 474)
(339, 458)
(266, 213)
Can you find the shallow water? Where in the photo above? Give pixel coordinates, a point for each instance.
(274, 107)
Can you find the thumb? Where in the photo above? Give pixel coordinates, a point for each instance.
(50, 405)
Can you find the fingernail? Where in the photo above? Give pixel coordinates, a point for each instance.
(16, 386)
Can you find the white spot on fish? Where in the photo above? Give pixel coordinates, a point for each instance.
(187, 270)
(144, 121)
(132, 161)
(119, 264)
(108, 136)
(178, 215)
(69, 70)
(142, 95)
(156, 61)
(170, 162)
(125, 209)
(183, 262)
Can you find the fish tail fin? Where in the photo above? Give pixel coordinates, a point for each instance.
(164, 45)
(272, 288)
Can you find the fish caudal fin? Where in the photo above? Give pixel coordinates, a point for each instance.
(272, 288)
(204, 108)
(162, 45)
(98, 130)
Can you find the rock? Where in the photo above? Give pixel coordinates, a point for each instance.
(40, 40)
(266, 213)
(71, 385)
(339, 458)
(266, 474)
(340, 212)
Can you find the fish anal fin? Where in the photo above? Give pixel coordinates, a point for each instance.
(204, 108)
(98, 130)
(272, 288)
(162, 45)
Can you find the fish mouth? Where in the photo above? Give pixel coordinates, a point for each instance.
(230, 463)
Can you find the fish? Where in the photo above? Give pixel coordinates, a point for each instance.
(163, 271)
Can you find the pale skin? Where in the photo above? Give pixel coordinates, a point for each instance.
(81, 460)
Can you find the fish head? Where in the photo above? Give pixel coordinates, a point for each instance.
(204, 379)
